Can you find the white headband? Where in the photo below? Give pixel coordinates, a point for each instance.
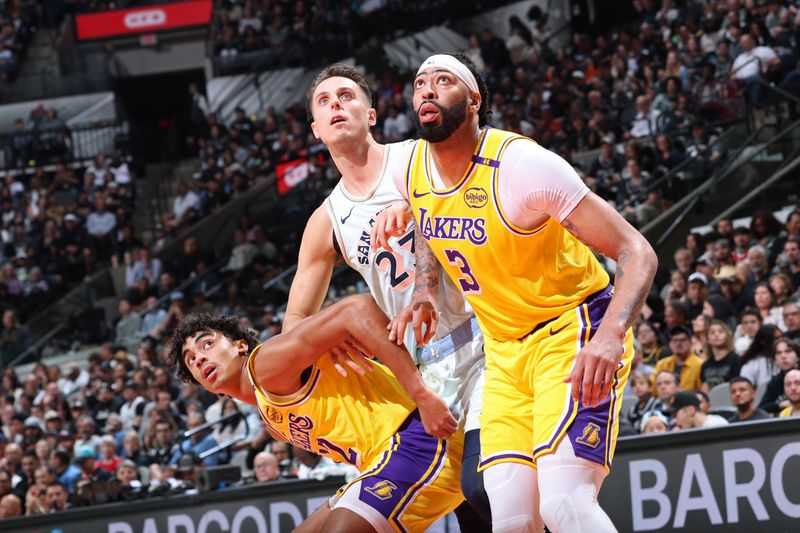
(452, 65)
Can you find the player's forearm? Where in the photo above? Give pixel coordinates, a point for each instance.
(366, 323)
(426, 284)
(636, 268)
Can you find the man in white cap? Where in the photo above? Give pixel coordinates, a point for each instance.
(512, 224)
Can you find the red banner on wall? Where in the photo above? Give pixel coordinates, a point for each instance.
(292, 173)
(157, 17)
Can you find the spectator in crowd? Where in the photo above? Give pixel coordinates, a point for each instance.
(787, 356)
(14, 337)
(758, 363)
(185, 206)
(10, 505)
(57, 497)
(791, 320)
(128, 474)
(791, 385)
(743, 399)
(645, 403)
(129, 326)
(144, 266)
(159, 443)
(722, 363)
(645, 123)
(771, 314)
(753, 64)
(265, 467)
(654, 422)
(749, 324)
(758, 263)
(700, 326)
(686, 413)
(683, 363)
(66, 473)
(790, 260)
(666, 385)
(109, 460)
(653, 348)
(781, 286)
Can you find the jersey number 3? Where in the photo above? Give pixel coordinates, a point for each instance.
(467, 281)
(399, 277)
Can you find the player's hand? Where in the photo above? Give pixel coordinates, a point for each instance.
(419, 314)
(436, 417)
(391, 222)
(592, 375)
(353, 355)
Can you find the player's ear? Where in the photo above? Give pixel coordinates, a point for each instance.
(475, 101)
(314, 129)
(242, 347)
(372, 116)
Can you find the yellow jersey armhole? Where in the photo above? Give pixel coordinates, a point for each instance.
(496, 191)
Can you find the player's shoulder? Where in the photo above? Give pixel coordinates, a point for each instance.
(400, 151)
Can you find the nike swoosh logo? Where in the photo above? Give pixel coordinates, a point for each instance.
(417, 195)
(344, 219)
(559, 330)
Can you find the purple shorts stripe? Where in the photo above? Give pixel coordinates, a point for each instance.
(502, 456)
(404, 469)
(433, 471)
(612, 410)
(591, 431)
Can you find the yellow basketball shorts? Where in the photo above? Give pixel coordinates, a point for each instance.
(528, 409)
(413, 483)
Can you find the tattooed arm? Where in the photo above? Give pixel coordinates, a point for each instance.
(422, 310)
(599, 226)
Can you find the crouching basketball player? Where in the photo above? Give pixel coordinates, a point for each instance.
(387, 422)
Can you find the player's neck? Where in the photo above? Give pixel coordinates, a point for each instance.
(360, 165)
(452, 157)
(242, 390)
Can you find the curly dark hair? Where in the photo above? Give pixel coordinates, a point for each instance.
(485, 111)
(229, 326)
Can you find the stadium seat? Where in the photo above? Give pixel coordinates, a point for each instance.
(720, 396)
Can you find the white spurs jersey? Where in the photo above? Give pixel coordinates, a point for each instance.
(390, 275)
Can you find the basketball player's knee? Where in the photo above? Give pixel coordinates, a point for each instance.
(514, 524)
(573, 509)
(559, 512)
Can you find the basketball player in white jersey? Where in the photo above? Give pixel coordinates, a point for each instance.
(339, 103)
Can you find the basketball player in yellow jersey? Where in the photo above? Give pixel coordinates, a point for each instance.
(512, 224)
(409, 478)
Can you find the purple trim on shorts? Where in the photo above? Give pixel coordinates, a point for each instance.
(425, 482)
(500, 456)
(385, 489)
(590, 431)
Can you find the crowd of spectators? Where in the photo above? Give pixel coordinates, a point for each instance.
(17, 21)
(722, 324)
(314, 32)
(57, 227)
(644, 95)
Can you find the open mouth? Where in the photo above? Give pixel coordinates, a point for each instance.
(428, 112)
(337, 119)
(209, 373)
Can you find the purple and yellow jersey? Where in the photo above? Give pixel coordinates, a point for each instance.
(349, 419)
(513, 278)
